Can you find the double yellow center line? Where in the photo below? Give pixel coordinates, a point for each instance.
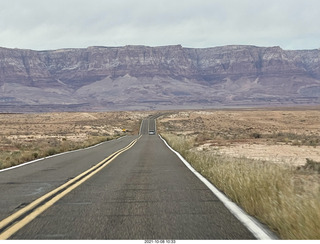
(16, 221)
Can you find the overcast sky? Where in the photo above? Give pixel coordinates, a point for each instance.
(43, 24)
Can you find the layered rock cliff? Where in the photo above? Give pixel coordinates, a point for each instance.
(134, 77)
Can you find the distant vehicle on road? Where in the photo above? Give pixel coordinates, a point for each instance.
(152, 132)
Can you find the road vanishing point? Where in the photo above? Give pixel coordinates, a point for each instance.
(133, 188)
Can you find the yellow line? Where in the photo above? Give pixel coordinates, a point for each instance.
(10, 231)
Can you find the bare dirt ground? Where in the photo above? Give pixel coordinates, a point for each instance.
(73, 126)
(278, 135)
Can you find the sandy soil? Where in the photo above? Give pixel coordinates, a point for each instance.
(292, 155)
(280, 135)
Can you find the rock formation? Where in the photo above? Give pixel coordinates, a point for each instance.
(142, 77)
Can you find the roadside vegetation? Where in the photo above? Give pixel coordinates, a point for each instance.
(39, 148)
(26, 137)
(285, 198)
(265, 160)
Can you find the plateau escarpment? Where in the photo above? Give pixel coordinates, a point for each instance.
(141, 77)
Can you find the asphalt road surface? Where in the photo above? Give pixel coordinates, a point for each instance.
(143, 193)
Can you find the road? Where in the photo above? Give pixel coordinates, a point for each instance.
(145, 192)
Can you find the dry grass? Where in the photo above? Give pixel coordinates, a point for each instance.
(26, 137)
(38, 148)
(281, 189)
(273, 193)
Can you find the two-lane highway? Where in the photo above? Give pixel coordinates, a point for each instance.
(146, 192)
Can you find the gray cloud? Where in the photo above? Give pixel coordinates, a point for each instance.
(40, 24)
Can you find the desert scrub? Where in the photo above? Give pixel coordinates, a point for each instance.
(24, 137)
(295, 139)
(45, 147)
(265, 190)
(311, 165)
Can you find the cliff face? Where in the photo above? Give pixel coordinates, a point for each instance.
(149, 77)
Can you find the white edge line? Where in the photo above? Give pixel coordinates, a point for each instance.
(249, 222)
(55, 155)
(140, 127)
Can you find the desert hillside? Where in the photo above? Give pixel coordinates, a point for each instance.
(142, 77)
